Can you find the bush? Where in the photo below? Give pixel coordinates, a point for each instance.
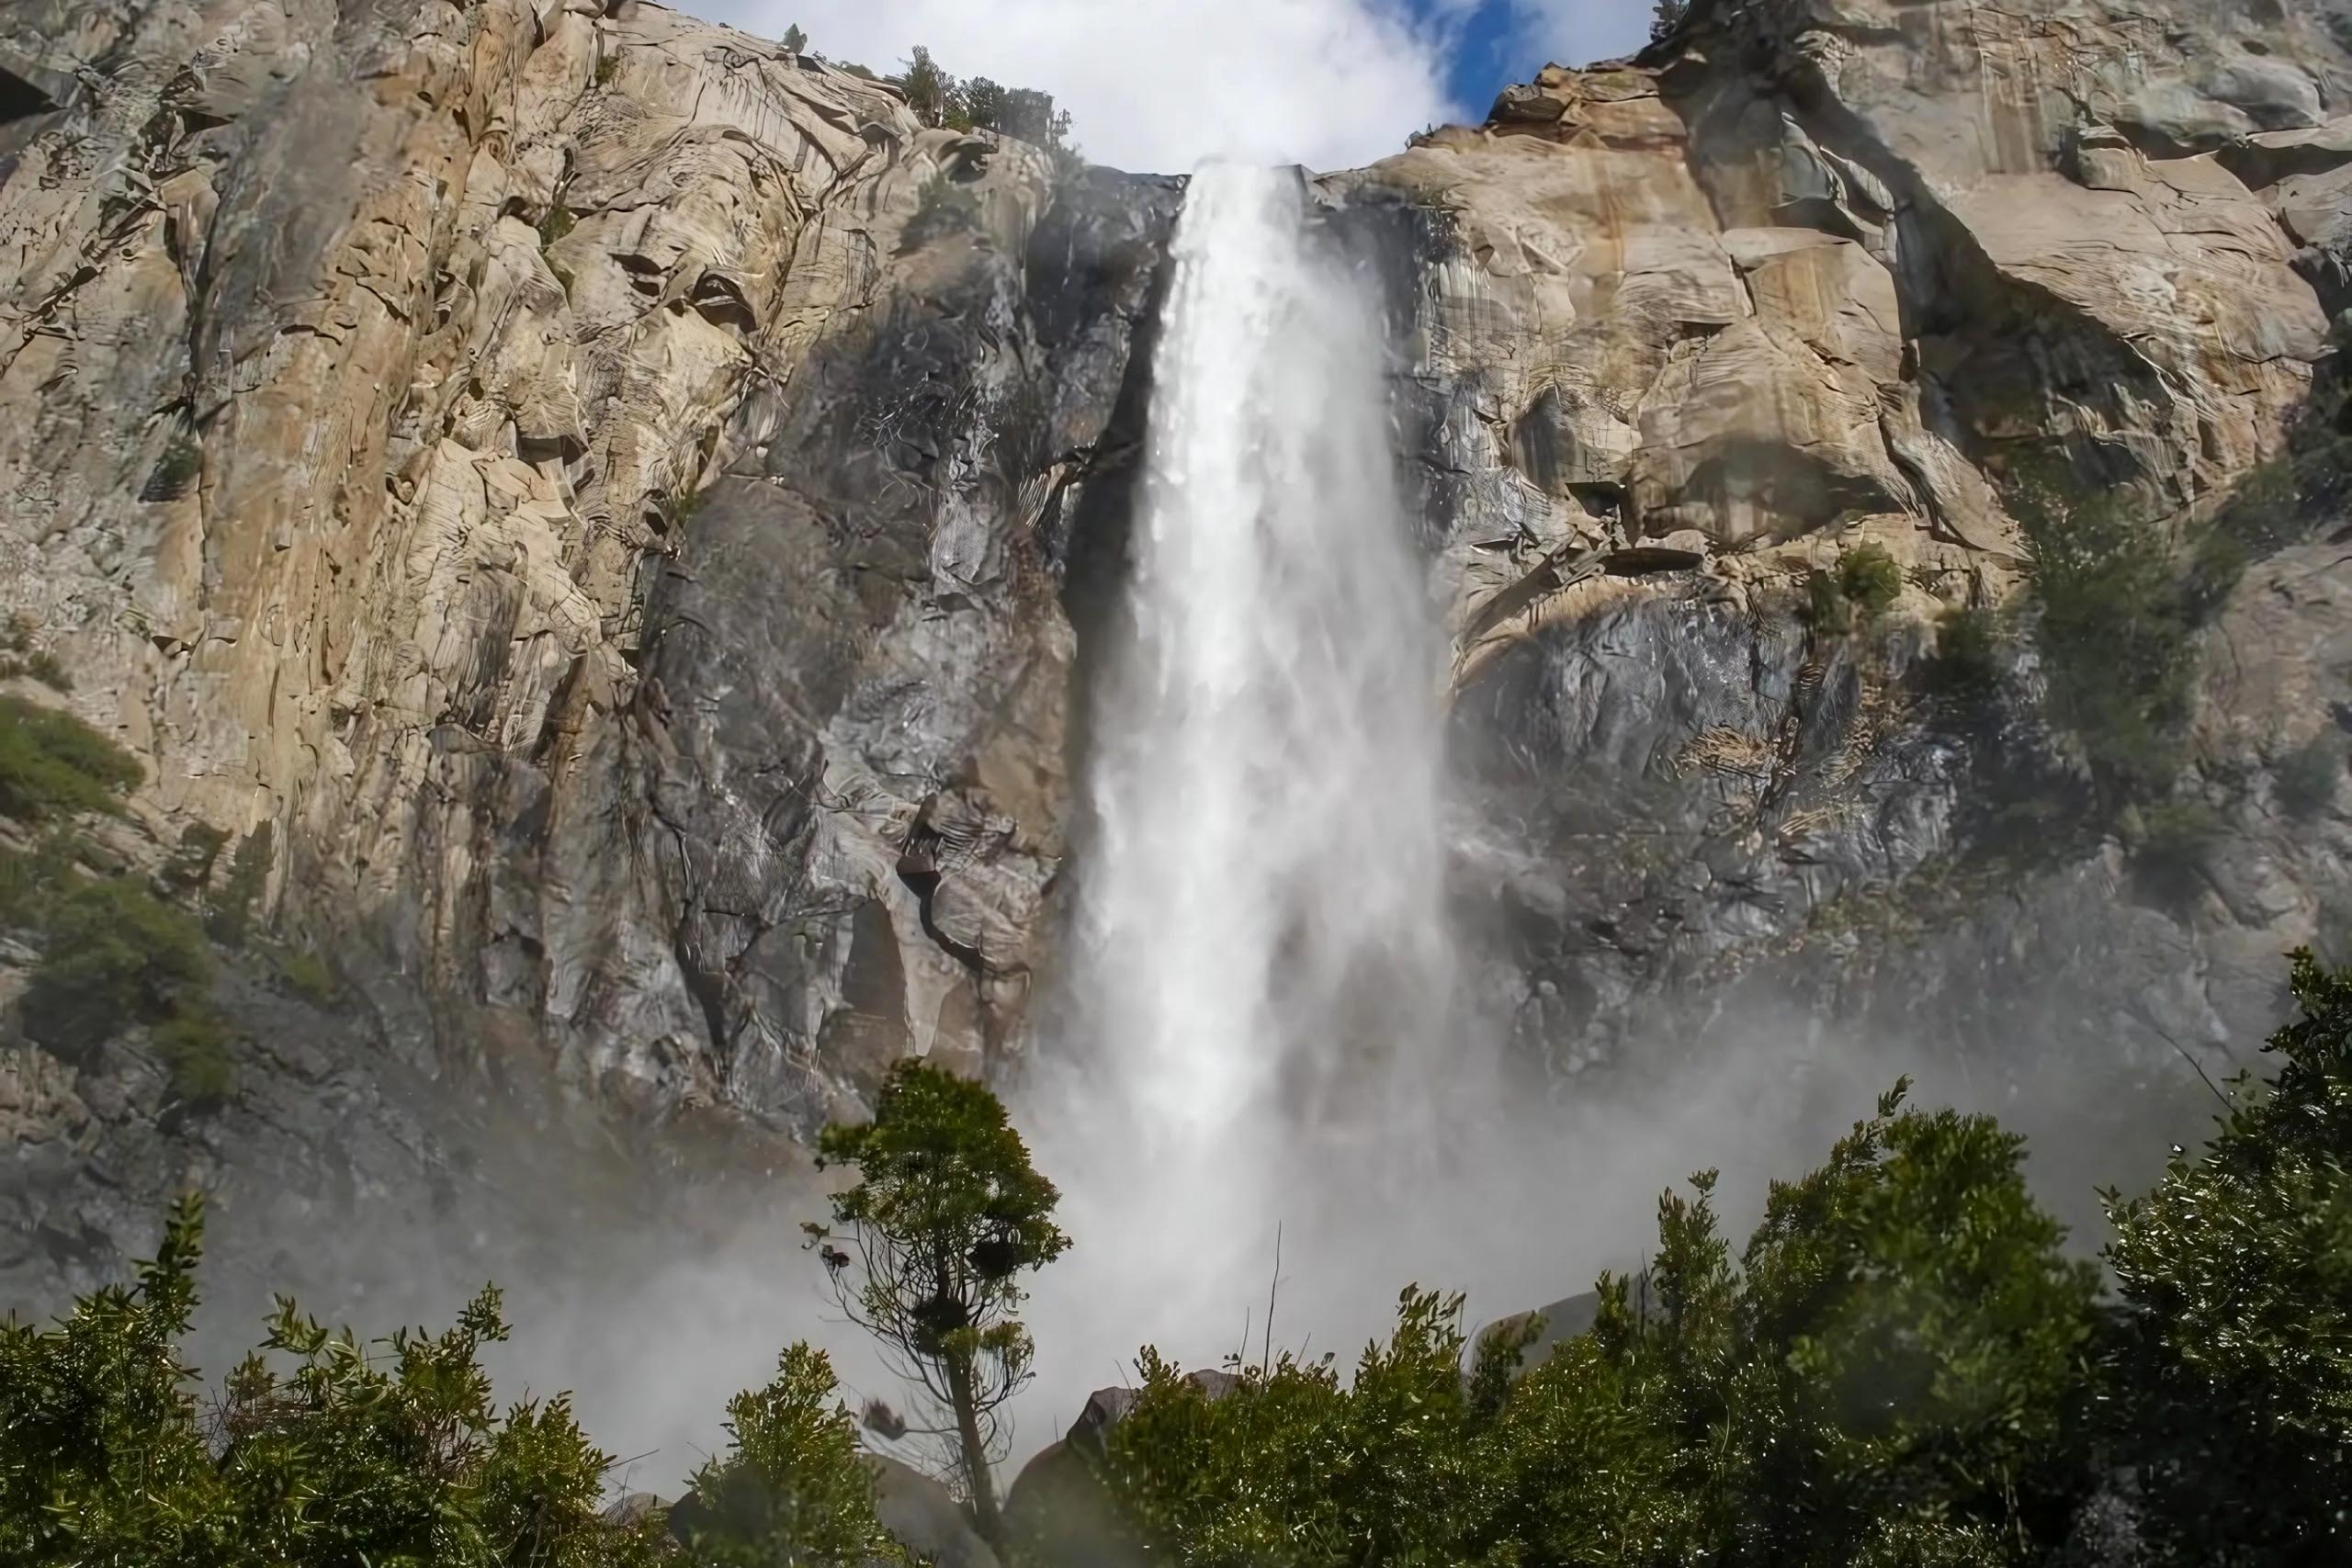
(2172, 846)
(52, 764)
(192, 860)
(193, 1046)
(37, 665)
(307, 974)
(182, 461)
(2234, 1369)
(1891, 1373)
(1863, 585)
(2308, 777)
(230, 914)
(328, 1452)
(112, 955)
(791, 1491)
(2116, 625)
(559, 221)
(1826, 609)
(1287, 1465)
(945, 207)
(1969, 662)
(1869, 580)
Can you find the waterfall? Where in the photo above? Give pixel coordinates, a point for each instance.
(1261, 970)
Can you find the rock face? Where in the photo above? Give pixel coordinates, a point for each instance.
(1810, 275)
(628, 506)
(521, 453)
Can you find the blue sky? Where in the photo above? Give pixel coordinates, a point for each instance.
(1161, 85)
(1495, 43)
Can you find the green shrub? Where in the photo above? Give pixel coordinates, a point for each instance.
(52, 764)
(193, 1046)
(307, 975)
(2116, 626)
(30, 879)
(2172, 845)
(1289, 1465)
(1968, 663)
(2308, 777)
(795, 40)
(182, 461)
(1892, 1371)
(608, 68)
(1825, 610)
(40, 665)
(192, 860)
(791, 1490)
(1869, 580)
(322, 1450)
(945, 207)
(230, 915)
(2232, 1372)
(112, 955)
(557, 224)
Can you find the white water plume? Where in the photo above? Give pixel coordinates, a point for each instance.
(1262, 974)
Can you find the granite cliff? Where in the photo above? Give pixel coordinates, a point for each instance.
(628, 507)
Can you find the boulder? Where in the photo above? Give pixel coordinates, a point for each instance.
(925, 1517)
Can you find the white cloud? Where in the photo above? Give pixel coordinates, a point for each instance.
(1578, 32)
(1159, 85)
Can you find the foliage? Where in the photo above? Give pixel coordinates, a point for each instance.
(1891, 1372)
(1968, 662)
(174, 470)
(192, 860)
(1865, 582)
(2116, 625)
(193, 1045)
(20, 659)
(1666, 19)
(795, 40)
(930, 92)
(946, 1214)
(2235, 1368)
(1024, 113)
(112, 955)
(559, 221)
(325, 1451)
(608, 67)
(945, 207)
(1288, 1466)
(53, 765)
(307, 974)
(229, 915)
(2172, 845)
(1869, 578)
(792, 1491)
(2307, 777)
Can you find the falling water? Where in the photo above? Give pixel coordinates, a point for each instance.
(1260, 963)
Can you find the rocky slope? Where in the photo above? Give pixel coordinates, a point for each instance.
(628, 506)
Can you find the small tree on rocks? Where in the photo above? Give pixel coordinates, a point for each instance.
(926, 1250)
